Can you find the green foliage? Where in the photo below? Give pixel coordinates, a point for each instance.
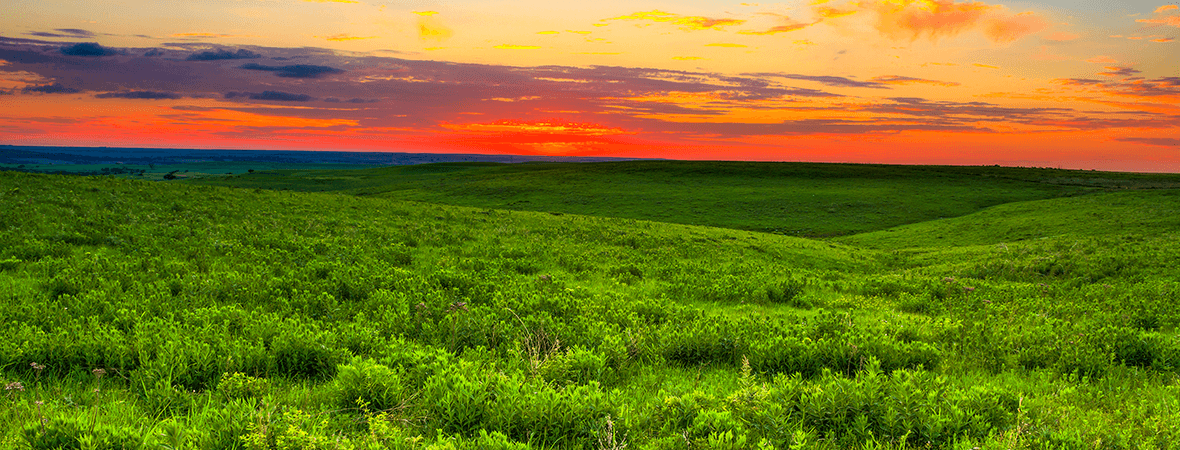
(227, 318)
(798, 199)
(374, 385)
(64, 433)
(239, 385)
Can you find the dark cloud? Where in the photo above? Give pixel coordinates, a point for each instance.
(295, 71)
(270, 95)
(826, 80)
(221, 53)
(54, 88)
(153, 52)
(1163, 142)
(958, 111)
(88, 49)
(140, 95)
(16, 41)
(64, 33)
(1117, 71)
(1131, 87)
(76, 32)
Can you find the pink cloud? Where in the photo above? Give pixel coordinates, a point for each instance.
(912, 19)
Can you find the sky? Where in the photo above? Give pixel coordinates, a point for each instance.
(1079, 84)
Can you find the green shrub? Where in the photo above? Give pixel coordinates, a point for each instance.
(788, 293)
(238, 385)
(365, 382)
(306, 352)
(70, 433)
(578, 365)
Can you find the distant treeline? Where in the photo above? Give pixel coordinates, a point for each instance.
(10, 154)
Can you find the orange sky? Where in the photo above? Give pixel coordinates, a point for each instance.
(891, 81)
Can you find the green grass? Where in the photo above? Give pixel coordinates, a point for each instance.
(798, 199)
(1095, 215)
(1044, 317)
(157, 172)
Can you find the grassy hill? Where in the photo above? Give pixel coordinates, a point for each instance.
(798, 199)
(140, 314)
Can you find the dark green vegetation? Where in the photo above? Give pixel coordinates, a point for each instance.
(159, 172)
(798, 199)
(174, 315)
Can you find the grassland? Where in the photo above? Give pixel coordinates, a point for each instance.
(1039, 311)
(810, 200)
(160, 172)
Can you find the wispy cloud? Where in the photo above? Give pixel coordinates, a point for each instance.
(688, 23)
(900, 80)
(785, 24)
(295, 71)
(345, 37)
(431, 28)
(1167, 15)
(270, 95)
(222, 54)
(54, 88)
(1116, 71)
(196, 36)
(1163, 142)
(140, 95)
(779, 29)
(1162, 88)
(74, 33)
(827, 80)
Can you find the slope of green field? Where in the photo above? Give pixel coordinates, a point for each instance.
(799, 199)
(1106, 213)
(170, 315)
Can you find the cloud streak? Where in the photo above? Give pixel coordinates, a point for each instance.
(53, 88)
(906, 81)
(222, 54)
(295, 71)
(1162, 142)
(687, 23)
(70, 33)
(140, 95)
(1167, 15)
(276, 96)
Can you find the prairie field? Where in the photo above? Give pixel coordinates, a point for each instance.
(640, 305)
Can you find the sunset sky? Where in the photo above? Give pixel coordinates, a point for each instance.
(1057, 83)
